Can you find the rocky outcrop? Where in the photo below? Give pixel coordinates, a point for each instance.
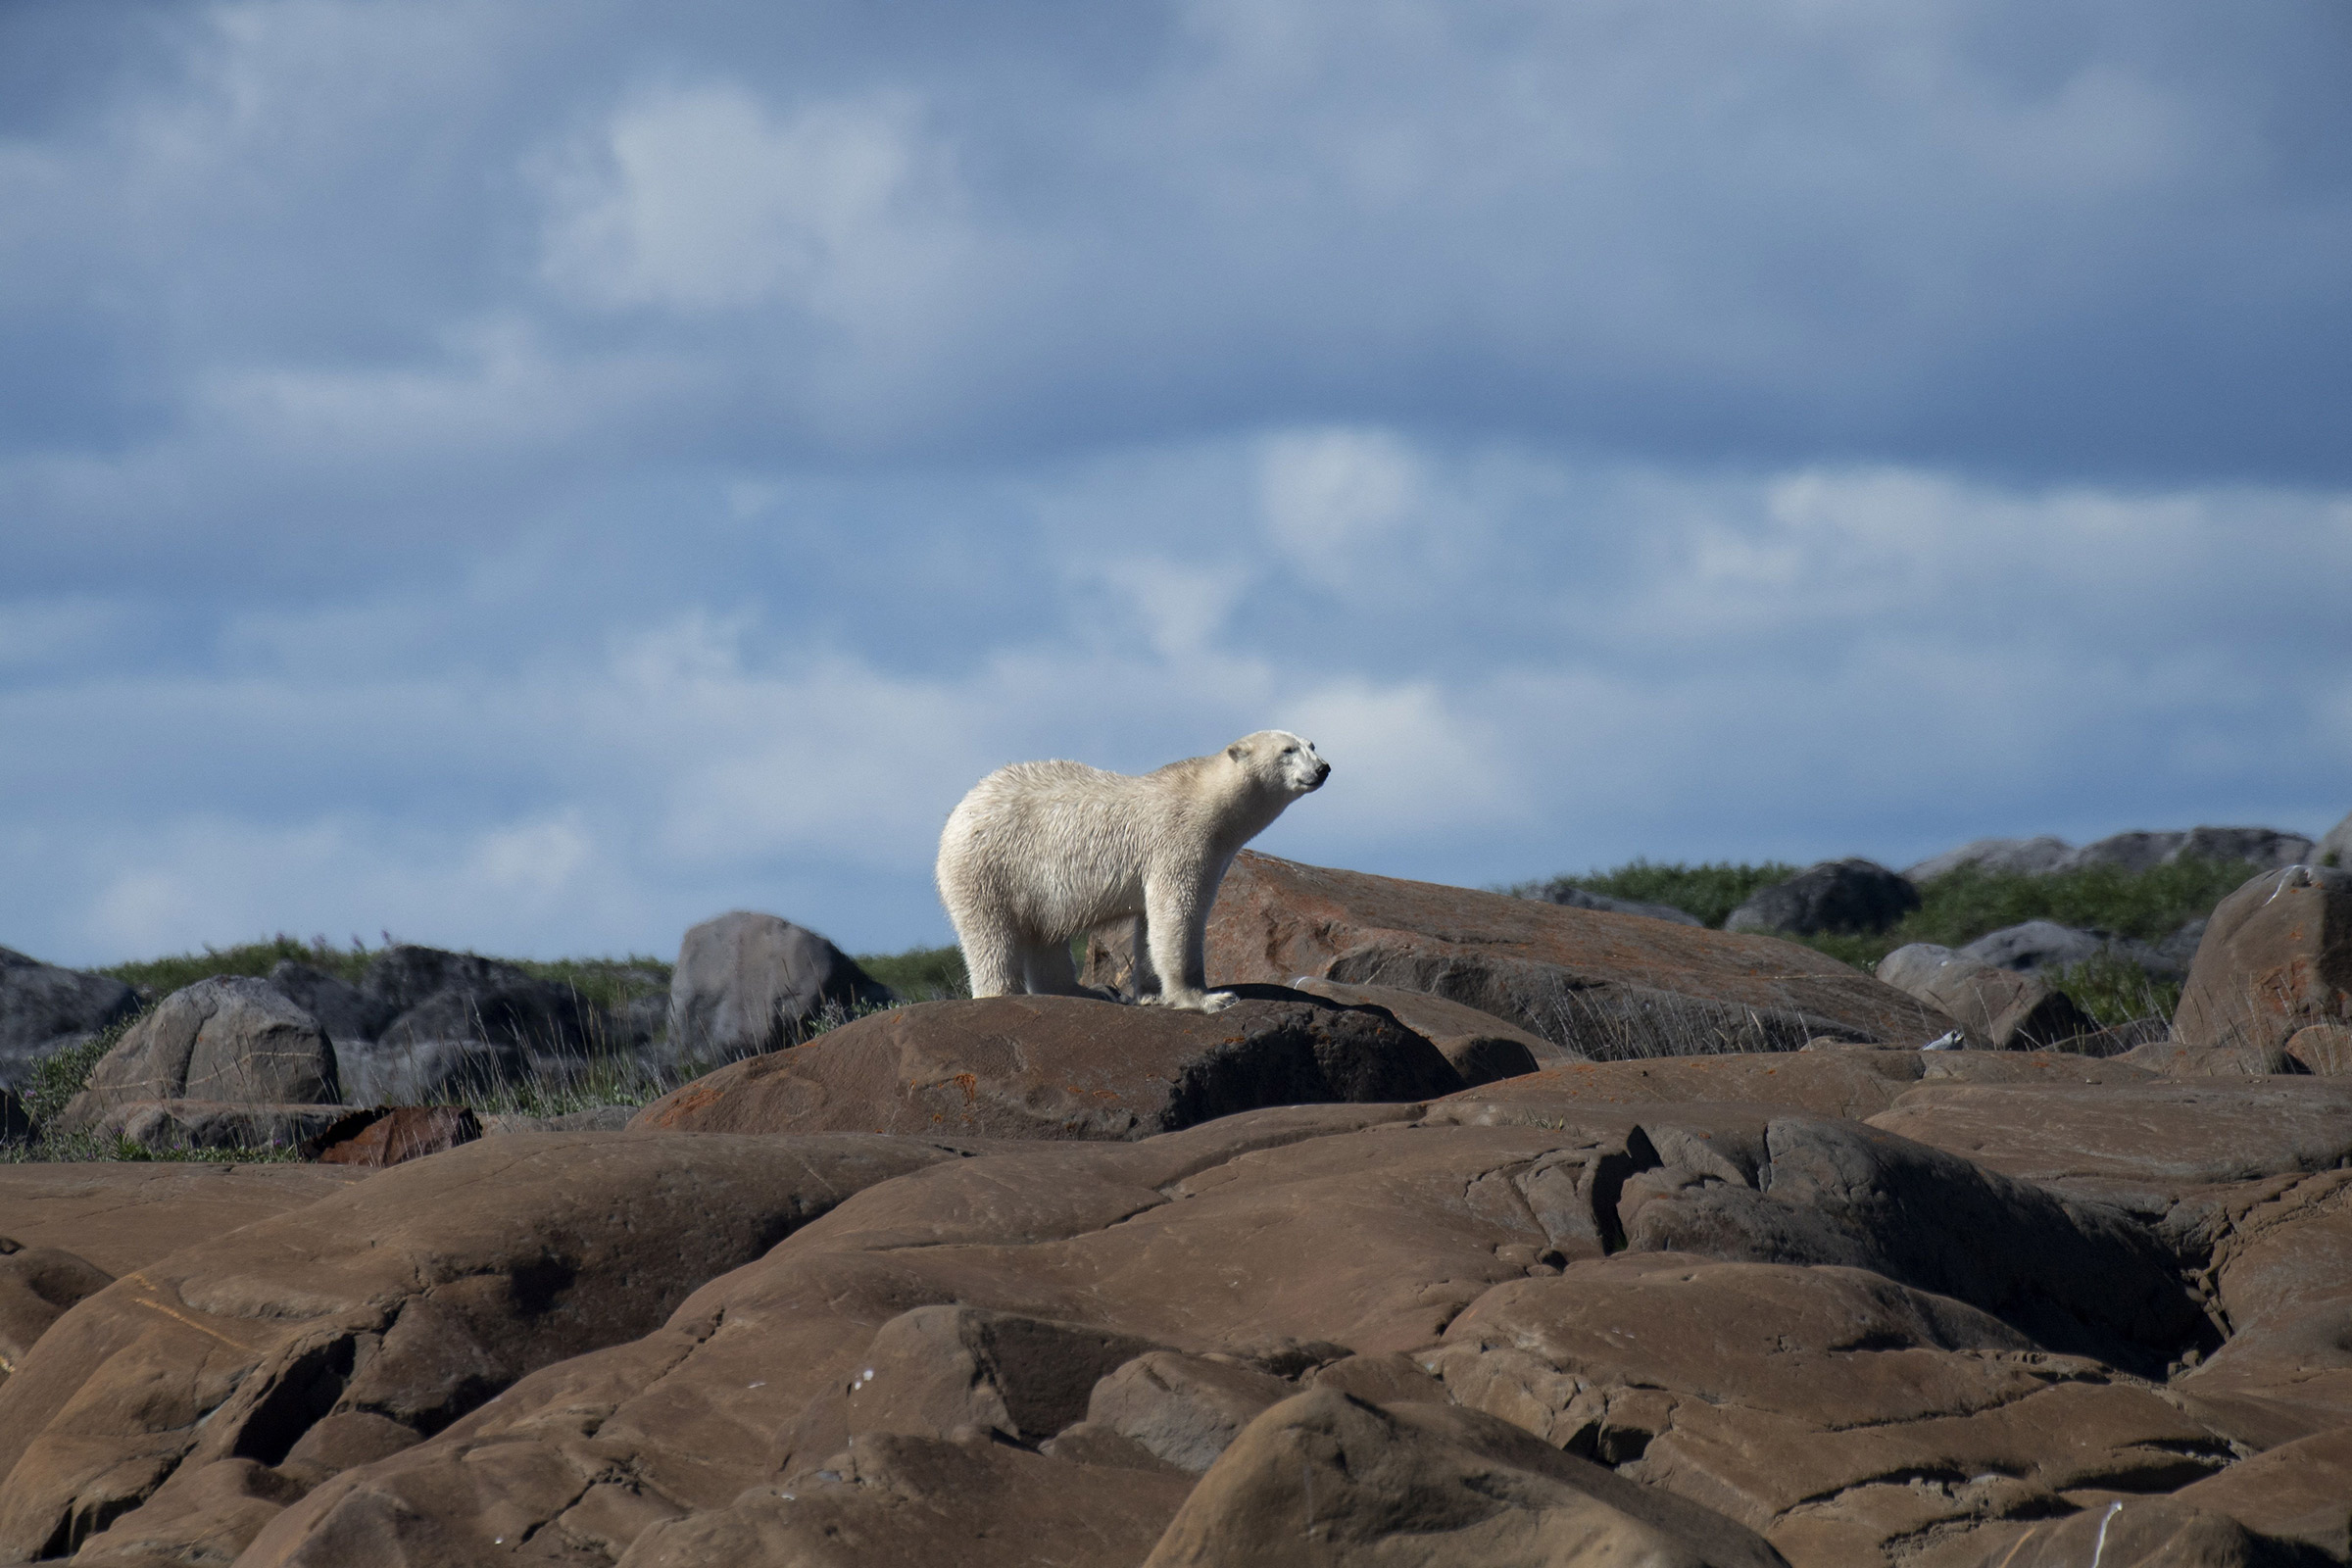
(228, 1041)
(1481, 1047)
(2029, 857)
(1600, 985)
(1996, 1007)
(2335, 848)
(44, 1007)
(36, 1285)
(749, 983)
(2276, 959)
(1576, 898)
(2131, 852)
(1062, 1067)
(1837, 896)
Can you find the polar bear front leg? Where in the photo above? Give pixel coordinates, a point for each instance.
(1176, 927)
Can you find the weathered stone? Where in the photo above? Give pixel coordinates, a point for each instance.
(125, 1215)
(2325, 1049)
(36, 1285)
(2280, 1268)
(44, 1007)
(2031, 857)
(748, 983)
(2299, 1493)
(343, 1011)
(1184, 1410)
(2137, 852)
(1325, 1478)
(2170, 1059)
(2335, 848)
(414, 1296)
(413, 1069)
(1994, 1008)
(1801, 1401)
(1576, 898)
(2277, 957)
(1062, 1067)
(184, 1124)
(1860, 1082)
(381, 1138)
(1481, 1047)
(1605, 986)
(1849, 895)
(230, 1039)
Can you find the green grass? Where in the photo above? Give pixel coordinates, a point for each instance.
(159, 977)
(921, 974)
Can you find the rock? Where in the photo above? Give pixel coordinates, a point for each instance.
(2277, 957)
(2179, 950)
(2136, 852)
(2300, 1492)
(36, 1285)
(1061, 1067)
(381, 1138)
(43, 1008)
(437, 1069)
(1325, 1478)
(748, 983)
(2078, 1278)
(1184, 1410)
(122, 1215)
(2281, 1267)
(2131, 1532)
(1858, 1082)
(2325, 1049)
(1849, 895)
(2335, 848)
(15, 1122)
(2029, 857)
(186, 1124)
(1576, 898)
(404, 975)
(2137, 1145)
(1481, 1047)
(460, 1024)
(230, 1040)
(411, 1298)
(1605, 986)
(2170, 1059)
(938, 1370)
(1997, 1007)
(2038, 944)
(343, 1011)
(1801, 1401)
(593, 1119)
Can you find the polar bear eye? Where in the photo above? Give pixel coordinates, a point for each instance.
(1290, 750)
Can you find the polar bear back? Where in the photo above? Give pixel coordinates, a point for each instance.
(1062, 847)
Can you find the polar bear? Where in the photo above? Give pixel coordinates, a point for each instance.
(1041, 852)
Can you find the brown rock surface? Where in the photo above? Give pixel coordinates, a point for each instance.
(186, 1124)
(394, 1136)
(2141, 1145)
(1481, 1047)
(1598, 984)
(166, 1409)
(1802, 1401)
(2277, 957)
(2282, 1276)
(122, 1216)
(2172, 1058)
(1061, 1067)
(1323, 1478)
(2325, 1049)
(1828, 1082)
(36, 1285)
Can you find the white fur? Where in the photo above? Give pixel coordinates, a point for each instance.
(1040, 852)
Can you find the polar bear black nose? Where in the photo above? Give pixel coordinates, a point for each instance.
(1322, 771)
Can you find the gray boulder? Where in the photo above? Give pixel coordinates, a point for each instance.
(44, 1007)
(343, 1011)
(2334, 847)
(2038, 945)
(428, 1026)
(435, 1069)
(1993, 1007)
(1849, 895)
(2136, 852)
(1573, 898)
(230, 1039)
(748, 983)
(2032, 857)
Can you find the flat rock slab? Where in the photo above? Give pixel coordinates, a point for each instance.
(122, 1217)
(2141, 1145)
(1062, 1067)
(1599, 984)
(1839, 1082)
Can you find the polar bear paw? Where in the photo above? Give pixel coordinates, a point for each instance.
(1190, 1001)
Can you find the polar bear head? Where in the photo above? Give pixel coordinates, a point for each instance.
(1281, 761)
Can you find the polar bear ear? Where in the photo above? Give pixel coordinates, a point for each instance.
(1236, 751)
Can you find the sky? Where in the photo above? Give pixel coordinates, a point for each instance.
(531, 476)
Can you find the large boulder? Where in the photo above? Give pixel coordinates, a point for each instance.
(2029, 857)
(429, 1026)
(2277, 957)
(2334, 847)
(1326, 1478)
(230, 1039)
(44, 1007)
(2136, 852)
(2033, 945)
(1836, 895)
(1997, 1007)
(748, 983)
(1481, 1047)
(1062, 1067)
(185, 1406)
(1597, 983)
(343, 1011)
